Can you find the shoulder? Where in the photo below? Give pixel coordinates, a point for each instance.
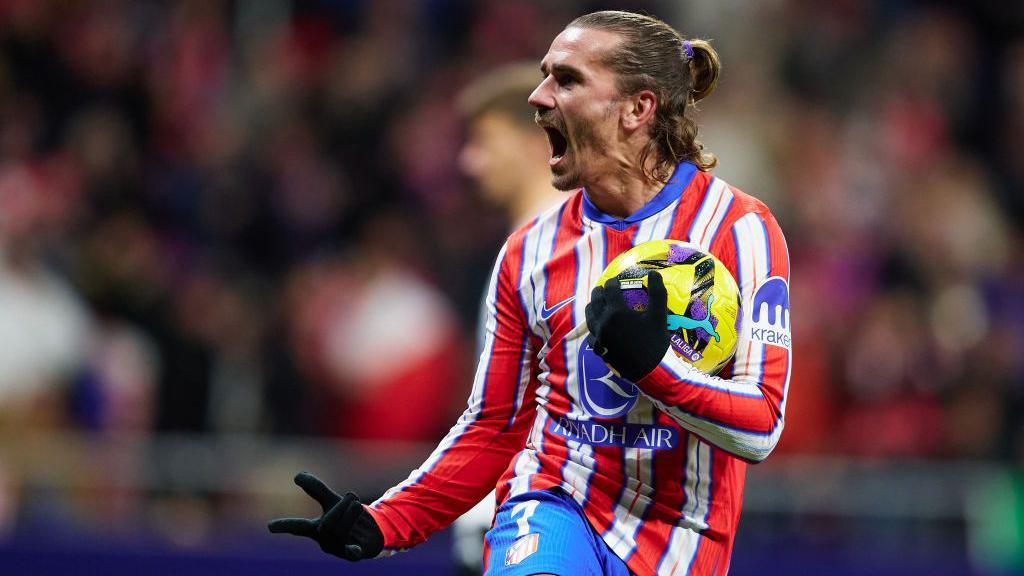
(748, 208)
(745, 203)
(750, 228)
(755, 245)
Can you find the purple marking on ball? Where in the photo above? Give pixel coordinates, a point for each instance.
(635, 298)
(698, 309)
(678, 254)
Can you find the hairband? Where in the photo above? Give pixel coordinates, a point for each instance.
(688, 48)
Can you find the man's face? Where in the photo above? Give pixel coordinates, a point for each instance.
(500, 155)
(578, 105)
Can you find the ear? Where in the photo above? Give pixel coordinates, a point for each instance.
(639, 110)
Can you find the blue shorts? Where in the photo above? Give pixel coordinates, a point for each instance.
(545, 532)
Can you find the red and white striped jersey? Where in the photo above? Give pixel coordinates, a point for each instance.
(658, 467)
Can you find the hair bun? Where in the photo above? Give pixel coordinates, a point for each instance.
(705, 67)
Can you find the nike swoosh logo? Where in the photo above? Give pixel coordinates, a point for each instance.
(546, 313)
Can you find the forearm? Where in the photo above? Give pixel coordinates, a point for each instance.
(462, 470)
(743, 415)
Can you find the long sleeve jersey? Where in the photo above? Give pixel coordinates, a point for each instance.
(658, 465)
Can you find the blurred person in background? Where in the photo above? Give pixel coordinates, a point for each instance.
(349, 311)
(612, 101)
(504, 154)
(45, 328)
(506, 158)
(44, 325)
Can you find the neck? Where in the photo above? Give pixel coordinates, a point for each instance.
(624, 191)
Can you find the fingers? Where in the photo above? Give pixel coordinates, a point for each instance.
(338, 524)
(591, 313)
(657, 296)
(596, 345)
(593, 309)
(338, 521)
(596, 297)
(317, 490)
(296, 526)
(353, 552)
(613, 290)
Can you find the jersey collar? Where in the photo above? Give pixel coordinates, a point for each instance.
(678, 182)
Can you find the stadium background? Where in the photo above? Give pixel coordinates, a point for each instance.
(213, 216)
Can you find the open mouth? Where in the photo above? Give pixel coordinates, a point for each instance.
(559, 144)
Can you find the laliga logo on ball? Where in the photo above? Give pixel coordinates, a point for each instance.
(604, 395)
(770, 313)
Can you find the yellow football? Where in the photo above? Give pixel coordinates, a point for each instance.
(703, 299)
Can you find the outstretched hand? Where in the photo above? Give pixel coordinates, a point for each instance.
(633, 343)
(345, 529)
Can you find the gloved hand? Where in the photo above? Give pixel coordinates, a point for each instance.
(632, 343)
(345, 529)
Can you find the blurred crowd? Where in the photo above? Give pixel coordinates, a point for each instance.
(249, 218)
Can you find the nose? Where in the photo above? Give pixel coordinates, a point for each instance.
(541, 98)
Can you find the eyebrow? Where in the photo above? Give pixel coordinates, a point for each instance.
(563, 68)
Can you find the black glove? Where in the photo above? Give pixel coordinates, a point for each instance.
(631, 342)
(345, 529)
